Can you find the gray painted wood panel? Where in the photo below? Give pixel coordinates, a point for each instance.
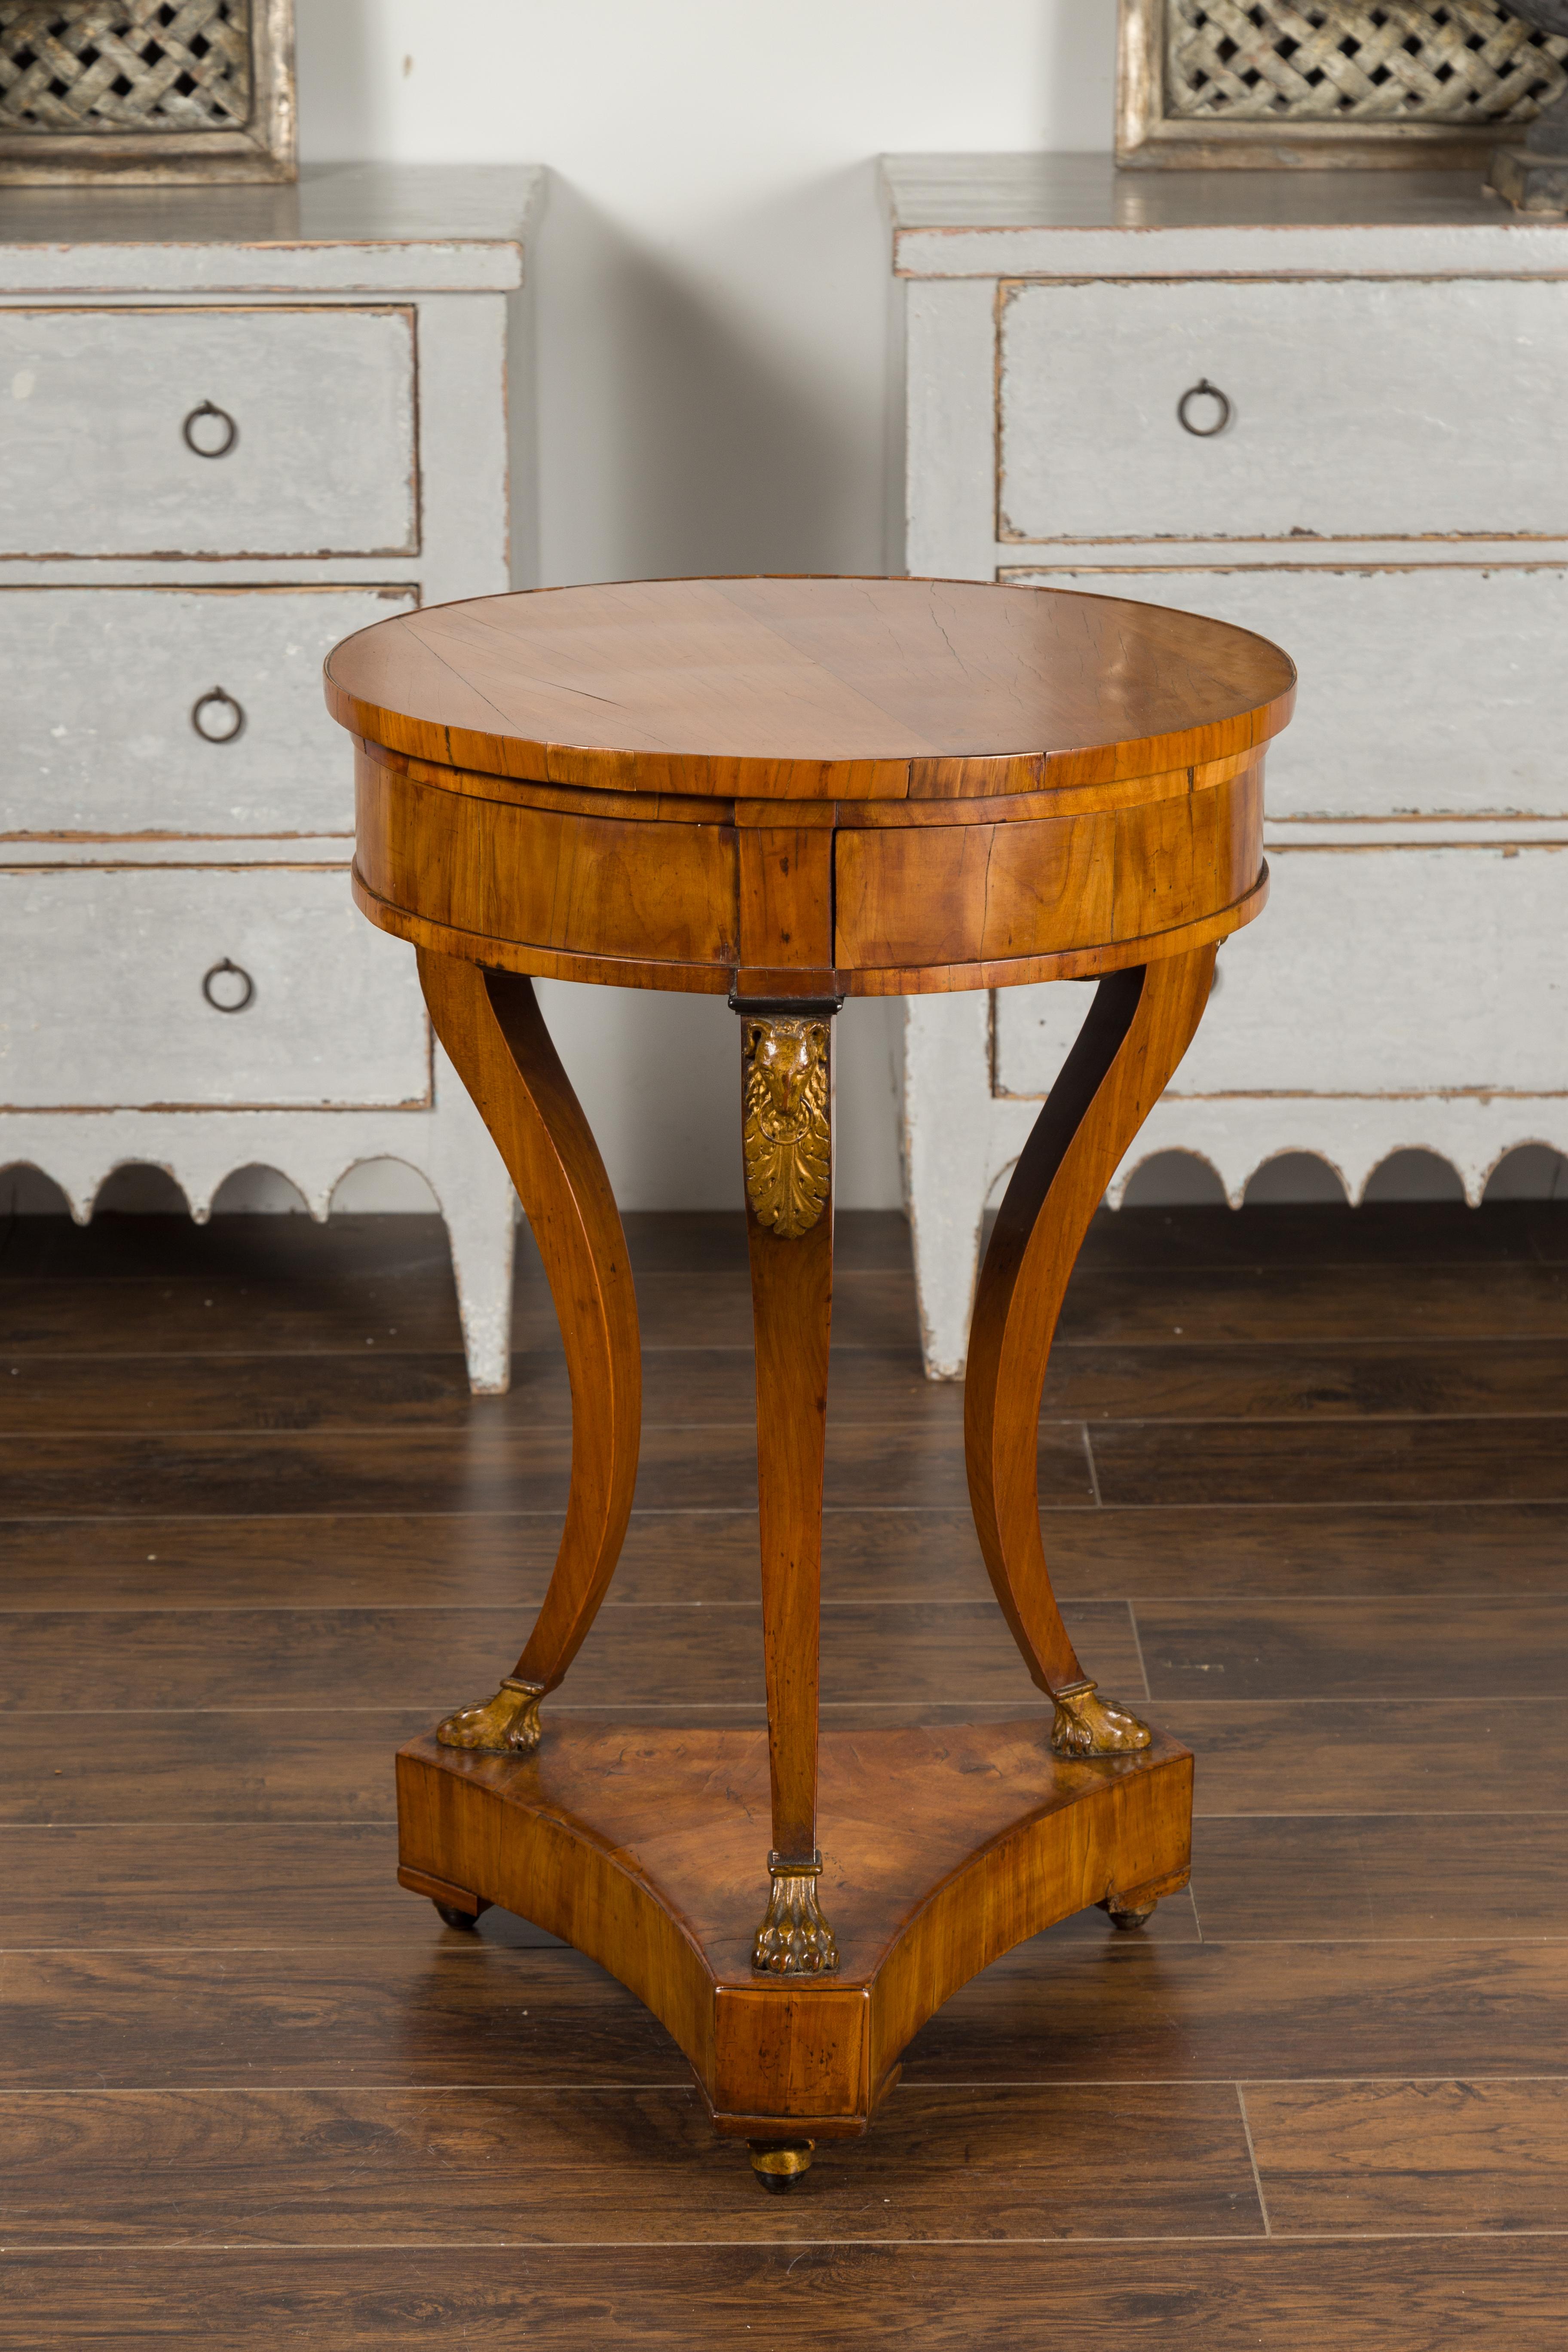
(1394, 345)
(103, 1006)
(100, 687)
(949, 361)
(1335, 429)
(94, 460)
(1458, 648)
(1348, 984)
(101, 969)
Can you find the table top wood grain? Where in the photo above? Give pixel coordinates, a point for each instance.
(829, 687)
(809, 788)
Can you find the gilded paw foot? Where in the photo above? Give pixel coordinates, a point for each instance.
(794, 1939)
(1088, 1725)
(507, 1724)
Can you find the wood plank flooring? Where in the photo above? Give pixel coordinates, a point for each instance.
(1305, 1481)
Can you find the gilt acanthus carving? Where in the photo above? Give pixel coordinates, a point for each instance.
(786, 1136)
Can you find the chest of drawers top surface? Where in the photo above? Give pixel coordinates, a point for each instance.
(1076, 215)
(345, 229)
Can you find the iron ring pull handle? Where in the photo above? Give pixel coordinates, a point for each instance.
(1202, 390)
(241, 974)
(216, 696)
(230, 430)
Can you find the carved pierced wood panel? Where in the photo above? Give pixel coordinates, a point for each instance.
(146, 89)
(124, 65)
(1267, 82)
(1230, 60)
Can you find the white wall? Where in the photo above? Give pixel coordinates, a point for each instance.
(711, 287)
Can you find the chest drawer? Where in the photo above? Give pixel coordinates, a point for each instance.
(1420, 687)
(1369, 972)
(103, 733)
(1359, 408)
(112, 445)
(102, 1003)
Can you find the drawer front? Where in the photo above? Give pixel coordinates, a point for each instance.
(907, 898)
(95, 459)
(1369, 972)
(103, 734)
(634, 889)
(1358, 409)
(102, 1002)
(1421, 689)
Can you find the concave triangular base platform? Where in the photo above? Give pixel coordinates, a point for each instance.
(647, 1849)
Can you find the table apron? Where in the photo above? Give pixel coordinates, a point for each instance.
(854, 910)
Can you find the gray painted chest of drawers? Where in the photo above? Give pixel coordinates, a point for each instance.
(1328, 407)
(234, 426)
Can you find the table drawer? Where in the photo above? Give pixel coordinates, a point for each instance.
(1421, 687)
(1335, 429)
(103, 406)
(1369, 972)
(101, 1001)
(102, 732)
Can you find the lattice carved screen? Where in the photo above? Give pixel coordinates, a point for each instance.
(1465, 62)
(118, 67)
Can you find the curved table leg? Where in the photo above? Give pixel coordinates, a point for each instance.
(491, 1028)
(1140, 1023)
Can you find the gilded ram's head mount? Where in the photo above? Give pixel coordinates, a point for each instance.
(786, 1136)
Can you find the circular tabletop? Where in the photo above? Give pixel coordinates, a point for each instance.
(809, 687)
(805, 788)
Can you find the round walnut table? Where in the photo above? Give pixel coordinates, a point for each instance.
(786, 792)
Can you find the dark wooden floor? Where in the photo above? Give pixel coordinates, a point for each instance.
(1306, 1481)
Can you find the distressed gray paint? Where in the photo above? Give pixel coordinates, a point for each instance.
(238, 850)
(1360, 410)
(96, 458)
(112, 960)
(1459, 645)
(101, 686)
(1279, 1022)
(1397, 995)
